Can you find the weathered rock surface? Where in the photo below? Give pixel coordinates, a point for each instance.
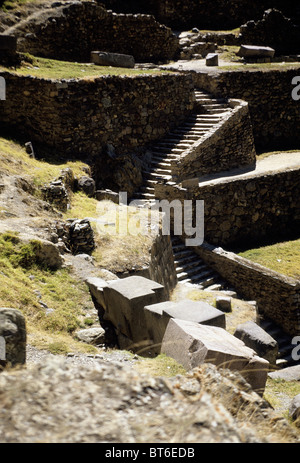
(294, 410)
(259, 340)
(112, 59)
(192, 344)
(95, 336)
(287, 374)
(247, 51)
(87, 185)
(13, 336)
(57, 402)
(125, 301)
(158, 315)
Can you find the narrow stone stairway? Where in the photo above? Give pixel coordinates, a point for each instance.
(209, 112)
(190, 268)
(285, 346)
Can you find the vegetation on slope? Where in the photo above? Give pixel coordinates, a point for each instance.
(282, 257)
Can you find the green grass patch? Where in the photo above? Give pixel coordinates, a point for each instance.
(160, 366)
(282, 257)
(15, 161)
(54, 303)
(278, 391)
(54, 69)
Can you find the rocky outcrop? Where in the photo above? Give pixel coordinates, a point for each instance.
(110, 403)
(12, 337)
(273, 30)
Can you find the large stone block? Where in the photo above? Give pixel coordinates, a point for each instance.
(259, 340)
(192, 344)
(253, 51)
(12, 336)
(112, 59)
(157, 317)
(125, 300)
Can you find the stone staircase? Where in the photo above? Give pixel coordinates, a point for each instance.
(285, 346)
(190, 268)
(209, 112)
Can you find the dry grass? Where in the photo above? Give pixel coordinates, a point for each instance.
(283, 257)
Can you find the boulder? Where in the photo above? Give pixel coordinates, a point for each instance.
(157, 317)
(112, 59)
(47, 253)
(87, 185)
(287, 374)
(253, 51)
(294, 409)
(12, 336)
(259, 340)
(95, 336)
(107, 195)
(125, 300)
(192, 344)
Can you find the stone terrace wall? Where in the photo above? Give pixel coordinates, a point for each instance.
(72, 31)
(162, 267)
(204, 14)
(230, 146)
(79, 117)
(278, 297)
(273, 30)
(274, 114)
(245, 210)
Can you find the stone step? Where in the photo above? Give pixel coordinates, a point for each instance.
(164, 155)
(190, 270)
(214, 287)
(200, 276)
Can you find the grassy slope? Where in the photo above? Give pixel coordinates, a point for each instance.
(281, 257)
(54, 69)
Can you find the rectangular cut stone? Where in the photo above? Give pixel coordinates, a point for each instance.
(157, 317)
(125, 300)
(112, 59)
(192, 344)
(212, 59)
(255, 51)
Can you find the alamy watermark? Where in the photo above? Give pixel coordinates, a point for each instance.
(180, 218)
(296, 90)
(296, 350)
(2, 348)
(2, 88)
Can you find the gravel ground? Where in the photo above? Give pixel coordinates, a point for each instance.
(36, 356)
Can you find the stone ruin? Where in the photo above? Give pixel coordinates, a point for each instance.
(273, 30)
(193, 333)
(74, 235)
(56, 193)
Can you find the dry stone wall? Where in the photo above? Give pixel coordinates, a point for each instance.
(71, 31)
(277, 296)
(275, 115)
(230, 145)
(204, 14)
(79, 118)
(245, 210)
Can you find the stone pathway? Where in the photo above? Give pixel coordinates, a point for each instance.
(211, 111)
(278, 162)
